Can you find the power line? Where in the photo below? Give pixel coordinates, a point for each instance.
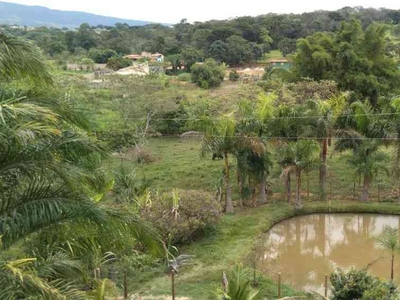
(199, 136)
(251, 119)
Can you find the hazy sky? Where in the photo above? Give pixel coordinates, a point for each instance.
(172, 11)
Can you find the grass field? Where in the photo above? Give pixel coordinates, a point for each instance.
(178, 164)
(273, 54)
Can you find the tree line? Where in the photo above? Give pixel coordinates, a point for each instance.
(241, 40)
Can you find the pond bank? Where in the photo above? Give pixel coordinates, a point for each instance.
(233, 240)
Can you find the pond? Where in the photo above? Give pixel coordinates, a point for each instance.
(305, 248)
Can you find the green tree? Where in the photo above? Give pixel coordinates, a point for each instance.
(367, 161)
(191, 56)
(298, 156)
(238, 50)
(361, 131)
(219, 51)
(175, 60)
(389, 240)
(208, 75)
(287, 46)
(356, 59)
(220, 137)
(323, 116)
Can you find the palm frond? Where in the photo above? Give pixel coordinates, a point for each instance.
(21, 59)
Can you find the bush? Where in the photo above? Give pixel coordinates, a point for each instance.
(359, 284)
(101, 56)
(116, 63)
(208, 75)
(183, 215)
(185, 77)
(234, 76)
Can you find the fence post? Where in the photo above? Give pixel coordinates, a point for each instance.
(326, 285)
(173, 284)
(279, 285)
(125, 284)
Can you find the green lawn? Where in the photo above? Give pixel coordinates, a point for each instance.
(178, 164)
(273, 54)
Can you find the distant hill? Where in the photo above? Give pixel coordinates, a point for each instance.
(35, 16)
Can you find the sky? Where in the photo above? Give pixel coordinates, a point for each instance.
(172, 11)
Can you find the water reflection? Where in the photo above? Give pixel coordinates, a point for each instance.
(306, 248)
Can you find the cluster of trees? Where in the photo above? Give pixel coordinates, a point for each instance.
(240, 40)
(303, 132)
(51, 186)
(355, 58)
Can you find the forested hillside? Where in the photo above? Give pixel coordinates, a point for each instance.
(36, 16)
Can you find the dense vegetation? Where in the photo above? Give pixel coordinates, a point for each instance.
(241, 40)
(326, 129)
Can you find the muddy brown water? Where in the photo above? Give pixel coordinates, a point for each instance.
(305, 248)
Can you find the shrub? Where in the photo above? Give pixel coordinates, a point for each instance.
(185, 77)
(101, 56)
(234, 76)
(116, 63)
(208, 75)
(359, 284)
(183, 215)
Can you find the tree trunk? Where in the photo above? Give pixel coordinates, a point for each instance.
(298, 188)
(229, 204)
(323, 169)
(263, 194)
(365, 189)
(392, 269)
(288, 188)
(173, 285)
(240, 184)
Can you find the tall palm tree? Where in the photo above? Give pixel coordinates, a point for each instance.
(361, 131)
(299, 156)
(367, 161)
(220, 137)
(255, 117)
(323, 115)
(287, 125)
(389, 240)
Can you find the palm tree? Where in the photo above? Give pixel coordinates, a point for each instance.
(298, 156)
(323, 115)
(220, 137)
(389, 240)
(20, 58)
(50, 175)
(368, 161)
(255, 118)
(362, 132)
(288, 125)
